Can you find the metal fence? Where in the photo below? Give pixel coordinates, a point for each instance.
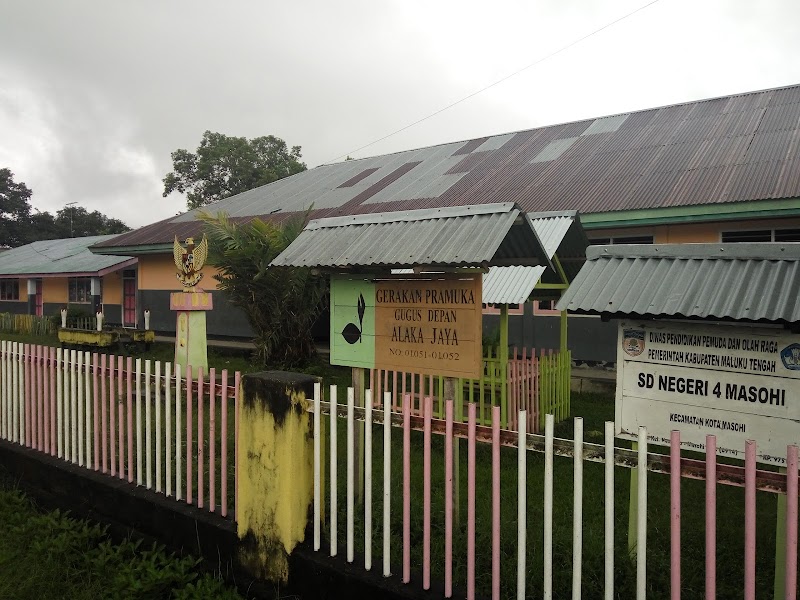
(416, 493)
(538, 384)
(149, 422)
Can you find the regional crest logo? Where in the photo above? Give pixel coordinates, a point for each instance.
(790, 357)
(633, 341)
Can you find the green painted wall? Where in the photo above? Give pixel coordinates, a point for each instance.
(345, 294)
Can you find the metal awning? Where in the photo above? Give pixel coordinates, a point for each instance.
(561, 234)
(464, 236)
(737, 282)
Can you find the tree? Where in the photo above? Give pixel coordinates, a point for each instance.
(281, 304)
(19, 225)
(15, 210)
(76, 221)
(225, 165)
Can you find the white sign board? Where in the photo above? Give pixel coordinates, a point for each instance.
(735, 382)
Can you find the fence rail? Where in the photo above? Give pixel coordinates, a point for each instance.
(129, 419)
(398, 480)
(538, 384)
(26, 324)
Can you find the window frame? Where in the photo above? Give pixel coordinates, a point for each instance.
(540, 311)
(772, 232)
(492, 309)
(5, 295)
(78, 283)
(622, 239)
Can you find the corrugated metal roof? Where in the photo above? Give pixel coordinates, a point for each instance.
(53, 257)
(722, 150)
(559, 232)
(496, 234)
(510, 285)
(742, 282)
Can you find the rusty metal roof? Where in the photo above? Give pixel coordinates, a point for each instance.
(723, 150)
(739, 282)
(468, 236)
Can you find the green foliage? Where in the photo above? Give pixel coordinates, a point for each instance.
(491, 340)
(281, 304)
(53, 556)
(226, 165)
(27, 324)
(76, 221)
(19, 226)
(15, 211)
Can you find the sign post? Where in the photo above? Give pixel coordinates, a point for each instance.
(191, 343)
(732, 381)
(418, 324)
(429, 324)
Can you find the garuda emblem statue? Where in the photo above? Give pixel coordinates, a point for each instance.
(190, 261)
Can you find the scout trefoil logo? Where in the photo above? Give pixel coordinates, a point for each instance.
(352, 332)
(633, 341)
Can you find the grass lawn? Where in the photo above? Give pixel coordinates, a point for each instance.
(595, 409)
(49, 555)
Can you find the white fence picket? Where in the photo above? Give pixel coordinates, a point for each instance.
(138, 388)
(158, 423)
(148, 427)
(368, 480)
(548, 507)
(641, 521)
(577, 508)
(168, 425)
(387, 484)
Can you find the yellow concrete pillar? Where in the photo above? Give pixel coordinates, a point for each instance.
(276, 470)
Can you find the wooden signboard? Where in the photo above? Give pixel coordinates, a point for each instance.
(421, 324)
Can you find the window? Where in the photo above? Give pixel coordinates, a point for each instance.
(9, 289)
(494, 309)
(761, 235)
(622, 239)
(80, 289)
(545, 308)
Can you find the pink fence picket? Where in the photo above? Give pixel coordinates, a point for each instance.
(87, 408)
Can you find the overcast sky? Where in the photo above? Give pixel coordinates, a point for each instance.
(94, 95)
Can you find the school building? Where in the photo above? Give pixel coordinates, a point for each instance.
(43, 277)
(716, 170)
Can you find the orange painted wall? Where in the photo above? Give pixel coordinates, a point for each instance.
(157, 272)
(686, 233)
(112, 288)
(54, 290)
